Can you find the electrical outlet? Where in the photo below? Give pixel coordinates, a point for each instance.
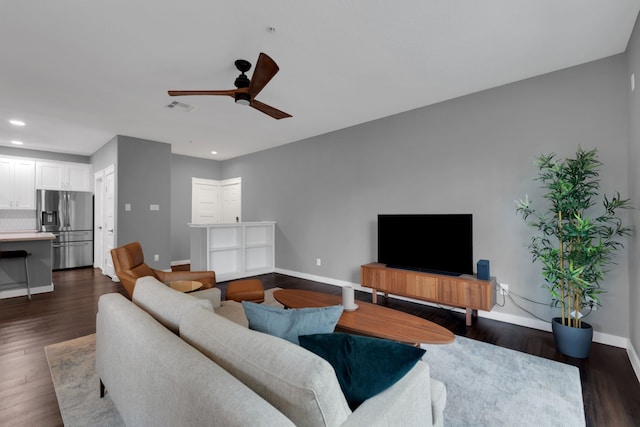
(318, 262)
(156, 257)
(503, 289)
(592, 303)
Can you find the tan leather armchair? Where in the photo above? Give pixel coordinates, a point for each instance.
(128, 262)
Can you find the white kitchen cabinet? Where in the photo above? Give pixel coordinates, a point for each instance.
(63, 176)
(19, 192)
(233, 250)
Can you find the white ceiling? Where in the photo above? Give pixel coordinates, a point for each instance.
(80, 72)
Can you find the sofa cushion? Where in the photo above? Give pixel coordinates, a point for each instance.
(300, 384)
(365, 366)
(213, 295)
(291, 323)
(166, 305)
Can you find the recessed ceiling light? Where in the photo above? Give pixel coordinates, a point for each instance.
(214, 152)
(17, 142)
(17, 122)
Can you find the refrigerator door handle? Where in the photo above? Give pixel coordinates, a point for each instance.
(67, 244)
(67, 196)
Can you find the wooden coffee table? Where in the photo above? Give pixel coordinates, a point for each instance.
(370, 319)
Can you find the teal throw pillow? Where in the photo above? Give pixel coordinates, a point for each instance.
(365, 366)
(291, 323)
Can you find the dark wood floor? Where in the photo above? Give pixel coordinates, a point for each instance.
(610, 388)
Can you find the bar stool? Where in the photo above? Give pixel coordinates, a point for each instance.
(19, 254)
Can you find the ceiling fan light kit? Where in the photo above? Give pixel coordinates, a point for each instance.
(243, 98)
(247, 90)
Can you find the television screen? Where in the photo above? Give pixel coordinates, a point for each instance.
(437, 243)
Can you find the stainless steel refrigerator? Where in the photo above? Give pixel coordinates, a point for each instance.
(69, 216)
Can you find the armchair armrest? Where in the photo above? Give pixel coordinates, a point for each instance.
(128, 280)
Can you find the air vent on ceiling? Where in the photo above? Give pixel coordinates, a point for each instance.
(175, 105)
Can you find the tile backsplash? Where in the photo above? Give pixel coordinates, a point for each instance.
(16, 220)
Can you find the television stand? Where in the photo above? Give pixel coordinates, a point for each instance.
(464, 291)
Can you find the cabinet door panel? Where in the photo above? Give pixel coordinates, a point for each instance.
(396, 282)
(448, 291)
(49, 176)
(422, 286)
(18, 184)
(6, 189)
(25, 184)
(475, 295)
(374, 278)
(79, 177)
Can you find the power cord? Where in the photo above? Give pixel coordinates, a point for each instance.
(508, 294)
(511, 294)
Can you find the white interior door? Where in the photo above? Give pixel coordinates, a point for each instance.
(231, 206)
(98, 221)
(109, 220)
(204, 201)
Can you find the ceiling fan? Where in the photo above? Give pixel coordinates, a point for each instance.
(247, 90)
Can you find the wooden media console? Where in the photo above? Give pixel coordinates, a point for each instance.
(458, 291)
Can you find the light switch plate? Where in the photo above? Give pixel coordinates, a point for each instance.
(154, 207)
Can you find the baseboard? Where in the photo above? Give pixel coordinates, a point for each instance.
(528, 322)
(633, 358)
(22, 291)
(321, 279)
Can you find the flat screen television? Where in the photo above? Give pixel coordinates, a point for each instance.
(436, 243)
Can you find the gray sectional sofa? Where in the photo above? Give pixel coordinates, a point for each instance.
(170, 359)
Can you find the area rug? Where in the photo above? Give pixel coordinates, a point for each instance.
(489, 385)
(73, 370)
(486, 385)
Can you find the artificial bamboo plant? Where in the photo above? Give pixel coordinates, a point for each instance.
(575, 241)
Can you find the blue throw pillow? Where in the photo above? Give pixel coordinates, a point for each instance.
(289, 324)
(364, 366)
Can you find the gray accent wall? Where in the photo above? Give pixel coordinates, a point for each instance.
(633, 57)
(144, 178)
(183, 168)
(106, 156)
(472, 154)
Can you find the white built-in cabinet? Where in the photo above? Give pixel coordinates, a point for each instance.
(233, 250)
(64, 176)
(17, 188)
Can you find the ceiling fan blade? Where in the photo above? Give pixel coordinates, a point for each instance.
(230, 92)
(265, 69)
(269, 110)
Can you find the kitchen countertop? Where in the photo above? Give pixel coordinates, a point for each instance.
(14, 236)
